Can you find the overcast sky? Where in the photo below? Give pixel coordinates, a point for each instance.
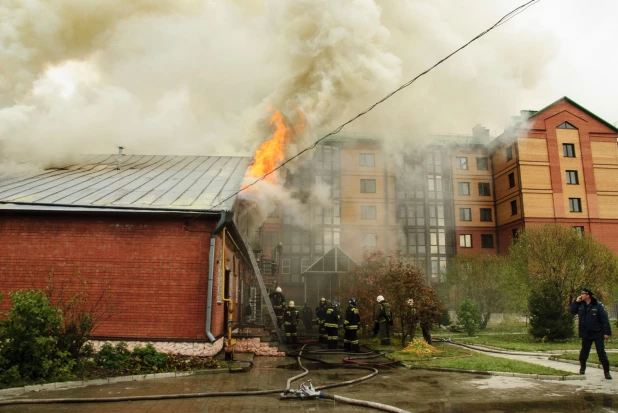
(586, 66)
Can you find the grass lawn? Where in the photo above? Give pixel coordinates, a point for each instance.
(613, 357)
(458, 358)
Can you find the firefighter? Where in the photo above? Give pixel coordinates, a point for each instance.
(278, 300)
(307, 316)
(320, 315)
(352, 320)
(331, 322)
(290, 321)
(383, 320)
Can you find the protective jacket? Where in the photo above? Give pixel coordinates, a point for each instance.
(383, 313)
(290, 317)
(352, 318)
(332, 317)
(593, 319)
(278, 299)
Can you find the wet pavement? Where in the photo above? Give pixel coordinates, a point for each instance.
(412, 390)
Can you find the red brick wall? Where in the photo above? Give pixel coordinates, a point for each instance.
(154, 272)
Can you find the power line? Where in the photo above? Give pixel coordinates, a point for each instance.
(500, 22)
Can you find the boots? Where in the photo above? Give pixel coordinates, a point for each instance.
(582, 367)
(605, 364)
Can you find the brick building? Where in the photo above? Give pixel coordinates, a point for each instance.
(143, 234)
(460, 194)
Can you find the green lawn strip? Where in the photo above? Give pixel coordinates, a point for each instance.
(613, 357)
(457, 358)
(523, 342)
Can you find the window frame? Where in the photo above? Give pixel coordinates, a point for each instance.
(482, 192)
(509, 153)
(465, 238)
(568, 150)
(572, 175)
(366, 236)
(365, 188)
(465, 213)
(365, 208)
(484, 243)
(485, 160)
(514, 209)
(484, 213)
(461, 162)
(511, 180)
(459, 186)
(575, 205)
(363, 158)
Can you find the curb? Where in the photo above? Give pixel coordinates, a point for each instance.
(576, 362)
(497, 373)
(63, 385)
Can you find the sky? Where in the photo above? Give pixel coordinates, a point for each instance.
(203, 76)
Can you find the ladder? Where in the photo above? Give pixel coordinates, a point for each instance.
(265, 299)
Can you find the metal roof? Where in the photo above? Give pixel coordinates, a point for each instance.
(146, 182)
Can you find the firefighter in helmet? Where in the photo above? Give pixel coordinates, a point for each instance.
(278, 300)
(320, 315)
(352, 320)
(331, 322)
(290, 321)
(383, 320)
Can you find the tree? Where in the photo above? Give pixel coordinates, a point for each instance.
(548, 319)
(469, 316)
(402, 283)
(561, 255)
(489, 280)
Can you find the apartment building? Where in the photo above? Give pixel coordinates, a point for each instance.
(461, 194)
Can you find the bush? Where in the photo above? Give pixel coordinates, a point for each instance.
(29, 336)
(549, 318)
(469, 316)
(445, 318)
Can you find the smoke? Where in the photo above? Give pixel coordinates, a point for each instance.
(196, 76)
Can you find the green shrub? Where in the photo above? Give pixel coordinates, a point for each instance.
(29, 350)
(549, 318)
(445, 318)
(469, 316)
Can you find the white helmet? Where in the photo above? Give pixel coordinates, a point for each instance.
(291, 304)
(380, 298)
(278, 289)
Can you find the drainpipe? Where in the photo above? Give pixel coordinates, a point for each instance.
(229, 355)
(211, 271)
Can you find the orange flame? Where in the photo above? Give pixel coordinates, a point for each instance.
(272, 152)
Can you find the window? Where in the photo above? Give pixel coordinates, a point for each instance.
(575, 204)
(579, 230)
(572, 178)
(271, 238)
(514, 207)
(482, 164)
(511, 179)
(487, 241)
(285, 266)
(370, 240)
(437, 241)
(367, 159)
(416, 241)
(368, 186)
(509, 153)
(565, 125)
(305, 263)
(484, 189)
(464, 188)
(465, 240)
(465, 214)
(462, 162)
(568, 150)
(486, 215)
(515, 233)
(368, 212)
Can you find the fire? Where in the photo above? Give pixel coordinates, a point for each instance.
(272, 152)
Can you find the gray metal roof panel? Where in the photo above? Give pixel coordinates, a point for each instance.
(141, 182)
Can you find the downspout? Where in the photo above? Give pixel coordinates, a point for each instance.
(211, 271)
(387, 214)
(229, 301)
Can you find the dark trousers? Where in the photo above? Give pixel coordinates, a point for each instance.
(291, 336)
(385, 333)
(323, 333)
(333, 336)
(599, 344)
(350, 340)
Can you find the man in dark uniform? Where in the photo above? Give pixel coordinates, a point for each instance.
(307, 319)
(290, 321)
(593, 327)
(320, 315)
(352, 320)
(383, 320)
(278, 300)
(331, 322)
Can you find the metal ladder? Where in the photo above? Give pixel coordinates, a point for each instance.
(265, 298)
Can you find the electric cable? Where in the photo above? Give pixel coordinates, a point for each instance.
(518, 10)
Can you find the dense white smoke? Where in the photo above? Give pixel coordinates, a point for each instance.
(196, 76)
